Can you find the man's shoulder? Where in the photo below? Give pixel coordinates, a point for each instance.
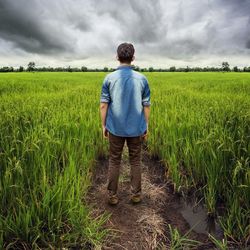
(115, 74)
(139, 75)
(111, 75)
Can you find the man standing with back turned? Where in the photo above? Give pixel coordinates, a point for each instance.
(125, 108)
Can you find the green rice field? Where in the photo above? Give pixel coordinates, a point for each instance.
(50, 138)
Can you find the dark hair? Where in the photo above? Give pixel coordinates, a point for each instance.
(125, 52)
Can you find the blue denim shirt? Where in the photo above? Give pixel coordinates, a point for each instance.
(126, 91)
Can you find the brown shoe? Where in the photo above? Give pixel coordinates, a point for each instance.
(136, 198)
(113, 200)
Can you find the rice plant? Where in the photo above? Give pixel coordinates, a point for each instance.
(50, 137)
(200, 128)
(180, 242)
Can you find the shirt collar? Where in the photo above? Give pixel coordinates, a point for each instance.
(125, 67)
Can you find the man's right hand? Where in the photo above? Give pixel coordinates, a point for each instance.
(145, 135)
(105, 132)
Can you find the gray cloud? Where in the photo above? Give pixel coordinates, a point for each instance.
(71, 31)
(23, 24)
(248, 44)
(140, 21)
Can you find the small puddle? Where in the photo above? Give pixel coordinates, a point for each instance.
(196, 216)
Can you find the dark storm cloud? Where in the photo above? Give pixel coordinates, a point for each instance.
(248, 34)
(139, 21)
(248, 44)
(237, 13)
(74, 30)
(212, 27)
(35, 27)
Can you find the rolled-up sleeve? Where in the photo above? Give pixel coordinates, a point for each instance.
(105, 94)
(146, 94)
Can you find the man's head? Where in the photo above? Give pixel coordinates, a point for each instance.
(125, 53)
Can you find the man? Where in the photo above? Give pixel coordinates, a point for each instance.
(125, 108)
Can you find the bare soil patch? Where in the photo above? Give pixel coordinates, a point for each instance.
(144, 225)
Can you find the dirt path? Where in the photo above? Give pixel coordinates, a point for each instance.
(144, 225)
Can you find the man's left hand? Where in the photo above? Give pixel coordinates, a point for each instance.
(145, 135)
(105, 132)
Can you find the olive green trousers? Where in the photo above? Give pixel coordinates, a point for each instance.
(116, 144)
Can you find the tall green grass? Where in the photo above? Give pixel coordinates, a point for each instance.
(50, 137)
(200, 127)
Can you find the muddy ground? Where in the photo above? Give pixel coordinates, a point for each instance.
(144, 225)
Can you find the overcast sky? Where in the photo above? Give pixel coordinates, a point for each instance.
(87, 32)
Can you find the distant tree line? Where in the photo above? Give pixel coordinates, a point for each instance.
(31, 67)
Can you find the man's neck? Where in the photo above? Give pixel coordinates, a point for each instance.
(125, 64)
